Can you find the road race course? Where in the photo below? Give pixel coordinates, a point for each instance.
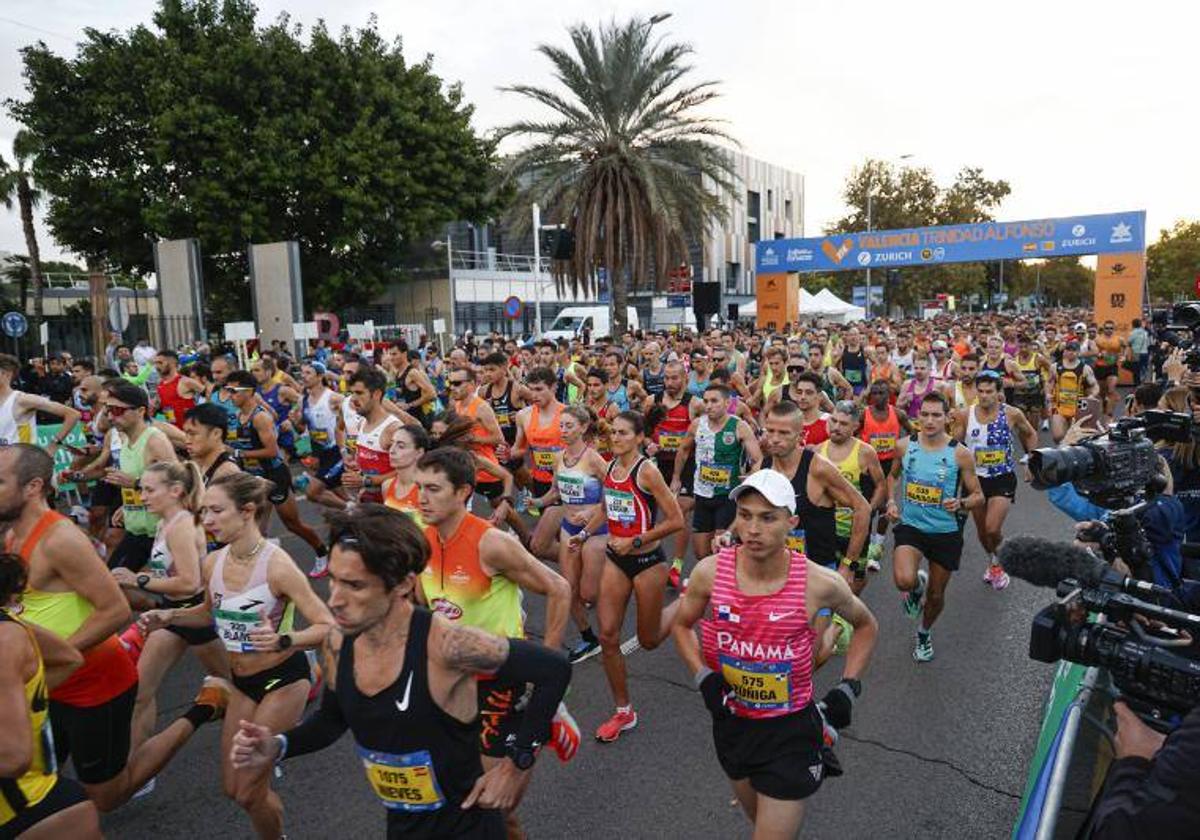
(938, 750)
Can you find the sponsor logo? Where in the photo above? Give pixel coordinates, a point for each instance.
(864, 258)
(1121, 232)
(1029, 246)
(926, 253)
(1078, 231)
(774, 616)
(402, 703)
(251, 604)
(447, 608)
(271, 684)
(769, 257)
(799, 255)
(1086, 242)
(771, 284)
(815, 770)
(1118, 268)
(460, 575)
(837, 252)
(1117, 300)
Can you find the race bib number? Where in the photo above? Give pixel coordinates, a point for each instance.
(923, 493)
(233, 628)
(795, 540)
(670, 443)
(990, 456)
(131, 498)
(570, 488)
(759, 685)
(714, 475)
(619, 505)
(543, 458)
(403, 782)
(319, 436)
(853, 376)
(169, 415)
(883, 444)
(250, 463)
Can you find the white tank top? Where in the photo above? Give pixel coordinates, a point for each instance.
(353, 421)
(114, 447)
(12, 431)
(162, 564)
(235, 614)
(320, 419)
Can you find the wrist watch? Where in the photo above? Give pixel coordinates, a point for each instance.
(285, 641)
(143, 581)
(637, 542)
(522, 757)
(583, 533)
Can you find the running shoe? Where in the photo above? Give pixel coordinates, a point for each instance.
(923, 652)
(320, 567)
(621, 721)
(133, 641)
(214, 692)
(564, 734)
(844, 636)
(583, 649)
(146, 789)
(996, 576)
(874, 555)
(912, 600)
(675, 576)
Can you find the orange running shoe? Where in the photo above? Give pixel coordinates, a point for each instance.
(624, 720)
(214, 692)
(564, 734)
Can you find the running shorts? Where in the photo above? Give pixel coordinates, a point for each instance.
(945, 549)
(999, 485)
(329, 467)
(715, 514)
(634, 564)
(132, 552)
(780, 756)
(257, 686)
(95, 737)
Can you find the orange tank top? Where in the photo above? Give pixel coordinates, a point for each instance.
(881, 434)
(544, 443)
(107, 671)
(485, 450)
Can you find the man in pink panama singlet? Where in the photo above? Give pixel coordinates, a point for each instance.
(760, 608)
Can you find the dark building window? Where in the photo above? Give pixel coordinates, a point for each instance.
(753, 209)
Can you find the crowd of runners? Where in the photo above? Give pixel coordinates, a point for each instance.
(736, 486)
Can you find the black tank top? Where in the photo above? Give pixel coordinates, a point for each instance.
(223, 458)
(654, 383)
(408, 394)
(415, 754)
(503, 408)
(1000, 368)
(820, 529)
(854, 368)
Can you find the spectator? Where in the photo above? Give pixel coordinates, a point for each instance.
(1139, 350)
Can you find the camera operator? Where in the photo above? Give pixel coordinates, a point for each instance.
(1153, 787)
(1184, 461)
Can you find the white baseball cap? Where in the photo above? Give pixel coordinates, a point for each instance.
(774, 487)
(940, 345)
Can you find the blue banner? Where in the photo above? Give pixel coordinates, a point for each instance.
(1034, 239)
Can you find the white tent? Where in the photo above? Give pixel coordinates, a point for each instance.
(828, 305)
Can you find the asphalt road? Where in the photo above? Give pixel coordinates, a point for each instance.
(937, 750)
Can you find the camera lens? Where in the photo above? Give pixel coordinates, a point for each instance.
(1052, 467)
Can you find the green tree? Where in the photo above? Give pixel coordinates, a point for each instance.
(16, 184)
(206, 125)
(1174, 261)
(625, 161)
(908, 197)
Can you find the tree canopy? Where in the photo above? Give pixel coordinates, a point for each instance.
(207, 125)
(1174, 261)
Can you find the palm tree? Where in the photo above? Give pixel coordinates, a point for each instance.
(16, 183)
(625, 162)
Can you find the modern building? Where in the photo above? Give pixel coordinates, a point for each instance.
(488, 263)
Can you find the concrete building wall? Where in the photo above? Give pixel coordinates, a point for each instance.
(276, 290)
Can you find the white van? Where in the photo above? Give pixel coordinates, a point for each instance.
(573, 320)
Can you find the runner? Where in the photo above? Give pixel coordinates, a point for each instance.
(934, 468)
(915, 389)
(279, 397)
(486, 432)
(988, 429)
(489, 571)
(539, 434)
(1073, 381)
(400, 492)
(653, 370)
(318, 413)
(1034, 394)
(141, 445)
(579, 471)
(34, 800)
(1111, 348)
(418, 736)
(852, 362)
(669, 415)
(176, 392)
(371, 465)
(882, 426)
(506, 398)
(633, 490)
(807, 392)
(171, 580)
(251, 436)
(860, 466)
(18, 410)
(721, 443)
(621, 390)
(69, 592)
(774, 377)
(597, 399)
(756, 604)
(960, 393)
(416, 393)
(252, 591)
(205, 426)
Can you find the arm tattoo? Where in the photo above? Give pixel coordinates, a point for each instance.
(471, 649)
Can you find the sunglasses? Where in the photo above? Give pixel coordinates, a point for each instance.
(237, 388)
(796, 369)
(118, 410)
(459, 381)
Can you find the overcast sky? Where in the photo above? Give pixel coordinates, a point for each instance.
(1082, 107)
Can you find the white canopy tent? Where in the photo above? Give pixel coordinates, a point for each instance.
(824, 304)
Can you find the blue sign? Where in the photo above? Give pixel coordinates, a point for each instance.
(14, 324)
(858, 296)
(603, 293)
(679, 301)
(1035, 239)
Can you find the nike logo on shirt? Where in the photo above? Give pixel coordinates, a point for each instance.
(402, 704)
(774, 616)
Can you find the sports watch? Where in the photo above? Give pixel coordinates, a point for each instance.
(522, 757)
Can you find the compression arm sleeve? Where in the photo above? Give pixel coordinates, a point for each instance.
(549, 672)
(318, 730)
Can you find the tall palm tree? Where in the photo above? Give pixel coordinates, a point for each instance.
(17, 184)
(626, 161)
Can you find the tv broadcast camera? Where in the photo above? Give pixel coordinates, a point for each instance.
(1147, 653)
(1181, 330)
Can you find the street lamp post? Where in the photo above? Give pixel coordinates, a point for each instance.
(870, 197)
(449, 246)
(537, 270)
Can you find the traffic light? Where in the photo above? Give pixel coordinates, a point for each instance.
(557, 243)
